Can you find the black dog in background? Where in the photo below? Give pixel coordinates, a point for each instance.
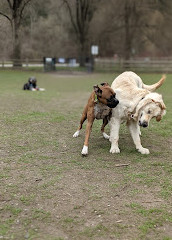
(32, 85)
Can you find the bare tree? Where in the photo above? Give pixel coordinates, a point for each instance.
(126, 28)
(138, 18)
(81, 13)
(14, 13)
(160, 37)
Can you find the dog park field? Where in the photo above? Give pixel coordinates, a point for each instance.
(48, 191)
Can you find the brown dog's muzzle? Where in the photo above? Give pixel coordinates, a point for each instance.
(112, 102)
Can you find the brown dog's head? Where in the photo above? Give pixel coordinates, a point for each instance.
(106, 95)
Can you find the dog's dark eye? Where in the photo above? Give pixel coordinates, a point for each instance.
(141, 114)
(149, 112)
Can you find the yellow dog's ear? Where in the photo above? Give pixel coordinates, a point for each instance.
(158, 118)
(140, 106)
(160, 104)
(163, 107)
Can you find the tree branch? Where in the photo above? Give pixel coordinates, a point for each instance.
(4, 15)
(9, 19)
(79, 10)
(22, 9)
(71, 16)
(9, 3)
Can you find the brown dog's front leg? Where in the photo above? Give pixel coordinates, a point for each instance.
(87, 134)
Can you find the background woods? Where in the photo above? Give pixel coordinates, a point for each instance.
(13, 10)
(64, 28)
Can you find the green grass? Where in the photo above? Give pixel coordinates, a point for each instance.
(50, 192)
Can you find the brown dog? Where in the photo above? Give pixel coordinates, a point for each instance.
(99, 106)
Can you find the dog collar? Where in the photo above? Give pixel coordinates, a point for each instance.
(96, 99)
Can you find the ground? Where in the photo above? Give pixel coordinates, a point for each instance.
(50, 192)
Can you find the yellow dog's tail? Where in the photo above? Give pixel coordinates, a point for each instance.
(153, 87)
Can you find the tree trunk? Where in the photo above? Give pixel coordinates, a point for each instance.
(16, 51)
(16, 45)
(82, 55)
(127, 48)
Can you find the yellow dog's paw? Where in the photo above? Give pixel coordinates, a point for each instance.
(114, 150)
(144, 150)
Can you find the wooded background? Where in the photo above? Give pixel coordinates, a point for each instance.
(67, 28)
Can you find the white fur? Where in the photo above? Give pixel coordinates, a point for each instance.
(106, 136)
(84, 150)
(76, 134)
(130, 90)
(41, 89)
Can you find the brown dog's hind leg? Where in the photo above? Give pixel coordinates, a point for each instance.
(105, 122)
(83, 118)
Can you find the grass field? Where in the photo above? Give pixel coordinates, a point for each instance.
(48, 191)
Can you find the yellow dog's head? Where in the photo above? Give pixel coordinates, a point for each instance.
(149, 107)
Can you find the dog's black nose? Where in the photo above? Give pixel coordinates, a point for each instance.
(117, 101)
(145, 124)
(113, 103)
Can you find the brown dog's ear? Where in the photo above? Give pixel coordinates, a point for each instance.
(104, 84)
(158, 118)
(97, 90)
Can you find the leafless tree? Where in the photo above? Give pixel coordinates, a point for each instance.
(132, 21)
(14, 13)
(81, 13)
(125, 28)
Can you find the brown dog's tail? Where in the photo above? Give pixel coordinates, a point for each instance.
(153, 87)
